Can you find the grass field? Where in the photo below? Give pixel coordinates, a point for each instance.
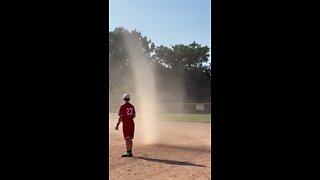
(204, 118)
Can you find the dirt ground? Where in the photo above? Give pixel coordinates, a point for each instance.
(183, 151)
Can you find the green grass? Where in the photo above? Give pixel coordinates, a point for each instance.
(204, 118)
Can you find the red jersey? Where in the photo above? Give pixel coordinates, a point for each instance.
(127, 112)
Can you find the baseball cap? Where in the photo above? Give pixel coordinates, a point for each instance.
(126, 96)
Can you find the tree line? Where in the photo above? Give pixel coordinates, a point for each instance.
(183, 72)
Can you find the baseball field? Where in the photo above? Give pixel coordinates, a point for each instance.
(182, 149)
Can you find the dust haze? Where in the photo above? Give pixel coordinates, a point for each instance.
(146, 95)
(162, 149)
(146, 92)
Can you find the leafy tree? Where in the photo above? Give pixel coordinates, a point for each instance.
(179, 65)
(125, 47)
(187, 64)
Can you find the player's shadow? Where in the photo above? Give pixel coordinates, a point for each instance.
(174, 162)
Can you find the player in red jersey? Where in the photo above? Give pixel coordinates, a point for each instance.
(126, 115)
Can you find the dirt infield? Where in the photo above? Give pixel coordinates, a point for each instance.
(183, 151)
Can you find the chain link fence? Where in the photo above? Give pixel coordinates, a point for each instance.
(171, 108)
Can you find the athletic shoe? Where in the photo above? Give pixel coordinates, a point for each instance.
(127, 155)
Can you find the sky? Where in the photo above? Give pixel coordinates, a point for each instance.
(164, 22)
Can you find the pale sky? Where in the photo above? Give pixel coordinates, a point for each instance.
(164, 22)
